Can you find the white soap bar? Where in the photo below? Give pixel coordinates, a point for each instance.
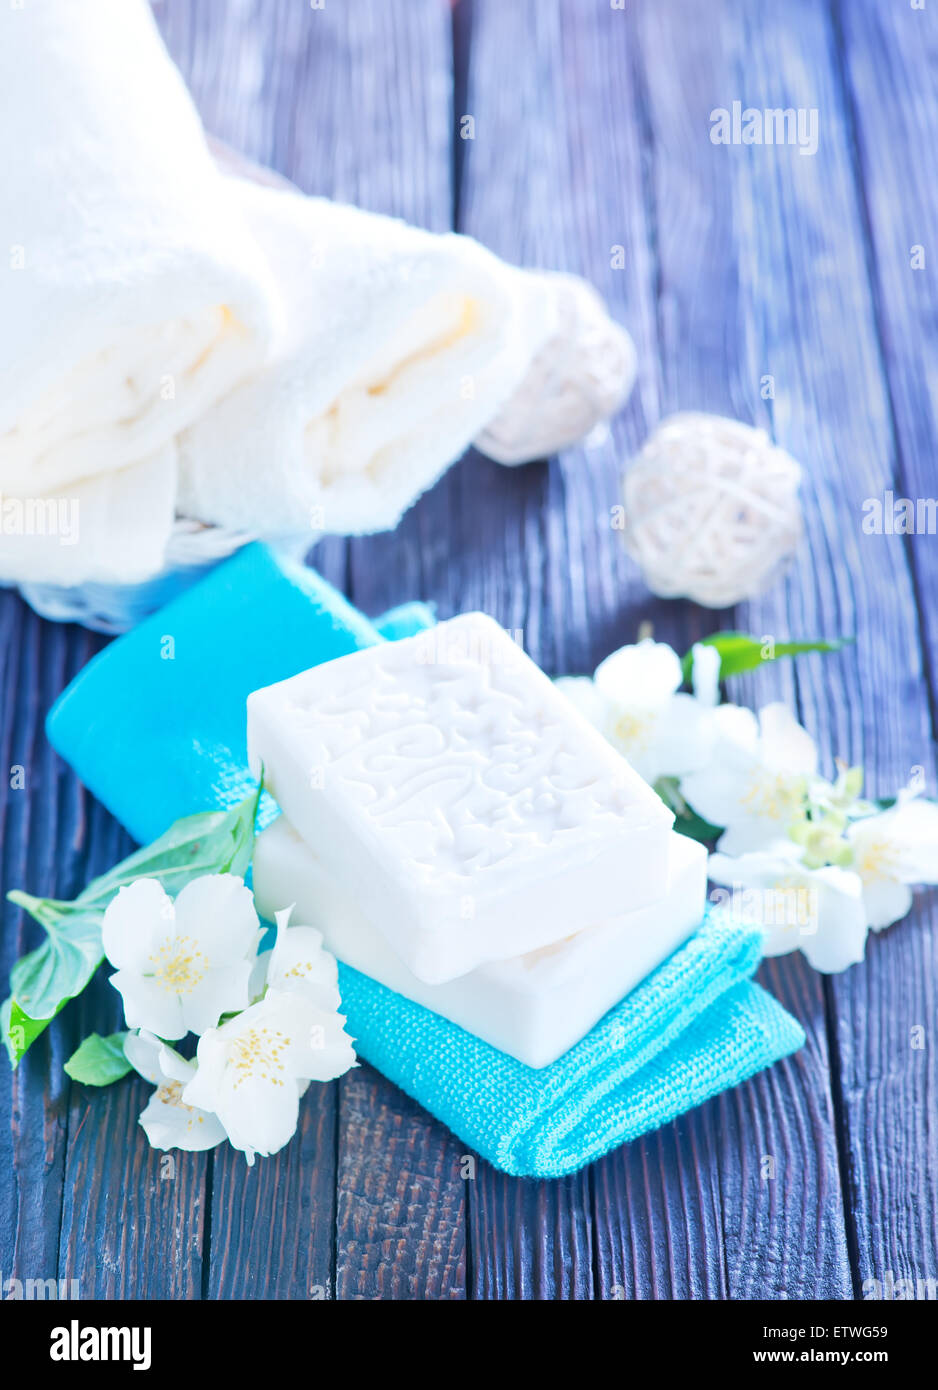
(475, 810)
(535, 1006)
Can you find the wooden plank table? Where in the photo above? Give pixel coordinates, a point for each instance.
(590, 132)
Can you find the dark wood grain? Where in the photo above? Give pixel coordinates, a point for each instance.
(273, 1225)
(809, 319)
(890, 73)
(889, 63)
(530, 1240)
(716, 344)
(401, 1220)
(876, 712)
(34, 1100)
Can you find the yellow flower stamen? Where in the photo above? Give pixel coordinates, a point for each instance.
(776, 797)
(299, 970)
(634, 730)
(170, 1093)
(877, 861)
(794, 907)
(259, 1051)
(179, 965)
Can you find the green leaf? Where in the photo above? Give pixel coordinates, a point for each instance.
(686, 820)
(19, 1030)
(61, 967)
(740, 652)
(99, 1061)
(42, 983)
(210, 842)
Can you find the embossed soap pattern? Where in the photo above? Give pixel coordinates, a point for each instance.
(534, 882)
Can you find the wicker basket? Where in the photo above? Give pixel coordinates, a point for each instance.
(193, 550)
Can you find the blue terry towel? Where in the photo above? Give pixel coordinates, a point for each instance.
(696, 1027)
(155, 727)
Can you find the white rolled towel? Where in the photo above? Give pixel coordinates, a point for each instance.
(131, 296)
(175, 342)
(397, 347)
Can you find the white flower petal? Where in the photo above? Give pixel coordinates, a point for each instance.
(787, 747)
(204, 1088)
(634, 733)
(717, 792)
(148, 1004)
(752, 837)
(300, 961)
(581, 692)
(329, 1052)
(737, 727)
(142, 1051)
(258, 1114)
(219, 991)
(217, 912)
(705, 674)
(683, 738)
(168, 1120)
(644, 675)
(169, 1123)
(250, 1069)
(135, 921)
(258, 980)
(155, 1060)
(840, 940)
(752, 788)
(886, 901)
(901, 843)
(819, 911)
(174, 1066)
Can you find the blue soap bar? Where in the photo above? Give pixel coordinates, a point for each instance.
(155, 725)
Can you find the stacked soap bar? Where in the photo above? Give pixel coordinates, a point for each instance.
(479, 846)
(478, 815)
(534, 1006)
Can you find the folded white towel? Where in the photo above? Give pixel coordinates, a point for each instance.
(175, 342)
(110, 529)
(132, 296)
(398, 346)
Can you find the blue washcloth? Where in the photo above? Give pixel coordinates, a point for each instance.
(696, 1027)
(155, 727)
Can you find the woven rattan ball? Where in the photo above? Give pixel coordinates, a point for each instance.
(580, 377)
(711, 509)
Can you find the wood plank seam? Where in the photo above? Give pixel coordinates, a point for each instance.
(876, 290)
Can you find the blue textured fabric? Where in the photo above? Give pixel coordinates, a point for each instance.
(406, 620)
(155, 727)
(682, 1036)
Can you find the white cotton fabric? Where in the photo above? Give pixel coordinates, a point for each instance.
(397, 346)
(131, 295)
(178, 343)
(112, 527)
